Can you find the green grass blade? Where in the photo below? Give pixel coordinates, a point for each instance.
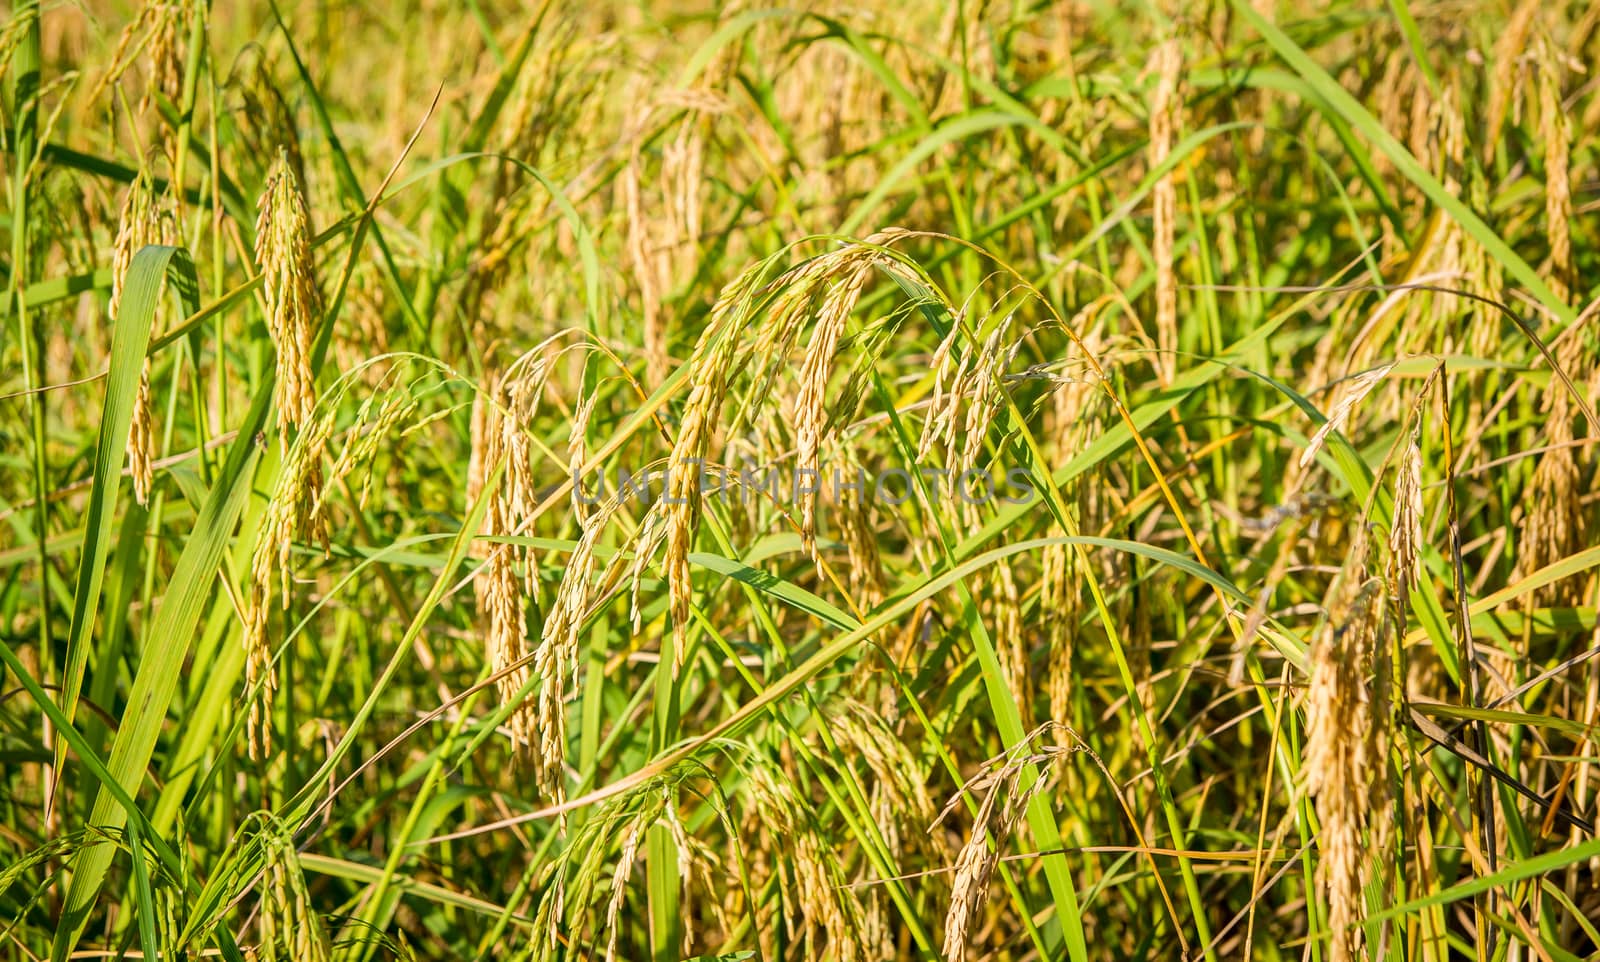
(148, 275)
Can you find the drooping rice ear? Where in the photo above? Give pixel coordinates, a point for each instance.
(1555, 130)
(291, 516)
(288, 919)
(1346, 742)
(289, 289)
(1354, 391)
(1405, 533)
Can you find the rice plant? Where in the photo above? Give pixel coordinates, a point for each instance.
(839, 480)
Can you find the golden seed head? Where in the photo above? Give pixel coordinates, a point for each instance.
(291, 516)
(289, 288)
(1346, 744)
(1356, 389)
(1555, 130)
(1405, 534)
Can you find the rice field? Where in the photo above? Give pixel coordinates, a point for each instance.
(840, 481)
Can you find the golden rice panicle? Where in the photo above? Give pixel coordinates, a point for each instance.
(482, 454)
(1166, 110)
(497, 586)
(154, 40)
(1553, 524)
(1005, 797)
(857, 529)
(898, 802)
(974, 866)
(1077, 416)
(647, 259)
(632, 834)
(811, 415)
(265, 124)
(1010, 640)
(1353, 393)
(1506, 81)
(578, 453)
(502, 441)
(895, 771)
(291, 516)
(967, 394)
(1060, 605)
(381, 418)
(675, 518)
(1346, 750)
(988, 396)
(827, 907)
(1555, 130)
(144, 220)
(523, 390)
(1405, 533)
(950, 380)
(289, 288)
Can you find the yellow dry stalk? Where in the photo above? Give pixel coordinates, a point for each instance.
(1166, 115)
(145, 219)
(1346, 747)
(289, 288)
